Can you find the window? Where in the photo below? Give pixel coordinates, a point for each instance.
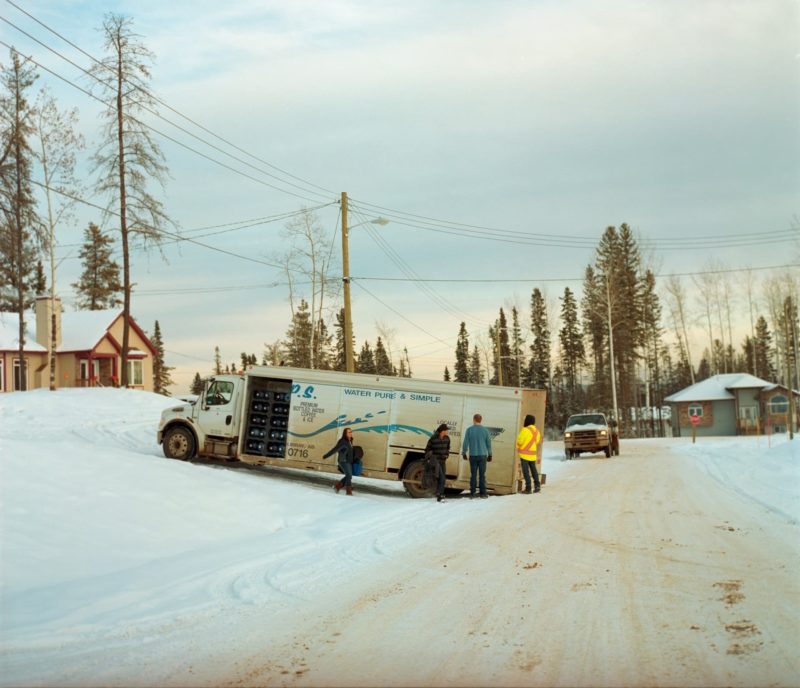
(778, 404)
(219, 393)
(135, 372)
(17, 379)
(696, 410)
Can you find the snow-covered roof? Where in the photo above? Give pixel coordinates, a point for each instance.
(9, 333)
(82, 330)
(716, 387)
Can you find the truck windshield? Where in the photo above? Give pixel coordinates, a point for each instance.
(587, 419)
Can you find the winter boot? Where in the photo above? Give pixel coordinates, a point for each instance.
(337, 486)
(527, 490)
(349, 491)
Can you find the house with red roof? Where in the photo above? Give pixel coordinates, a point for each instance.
(88, 349)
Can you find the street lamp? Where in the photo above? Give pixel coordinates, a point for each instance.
(348, 315)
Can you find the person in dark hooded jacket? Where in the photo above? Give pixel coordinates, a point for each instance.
(438, 448)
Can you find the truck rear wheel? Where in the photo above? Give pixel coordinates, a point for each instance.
(414, 480)
(179, 444)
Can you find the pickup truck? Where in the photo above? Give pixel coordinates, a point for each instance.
(590, 433)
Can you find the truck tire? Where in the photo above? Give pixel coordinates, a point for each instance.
(413, 480)
(179, 444)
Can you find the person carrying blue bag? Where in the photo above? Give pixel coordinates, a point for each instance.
(346, 458)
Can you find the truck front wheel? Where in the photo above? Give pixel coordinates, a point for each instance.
(179, 444)
(414, 480)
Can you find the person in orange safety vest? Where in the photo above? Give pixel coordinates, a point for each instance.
(527, 446)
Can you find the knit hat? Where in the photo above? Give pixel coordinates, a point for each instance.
(529, 420)
(443, 426)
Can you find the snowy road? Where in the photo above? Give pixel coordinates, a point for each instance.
(631, 571)
(671, 565)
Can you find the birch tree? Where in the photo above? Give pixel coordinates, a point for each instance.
(58, 143)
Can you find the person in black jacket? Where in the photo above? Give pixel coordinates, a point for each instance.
(438, 448)
(346, 455)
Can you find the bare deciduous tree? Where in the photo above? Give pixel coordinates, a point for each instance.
(58, 143)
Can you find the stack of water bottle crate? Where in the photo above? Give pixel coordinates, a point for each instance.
(267, 419)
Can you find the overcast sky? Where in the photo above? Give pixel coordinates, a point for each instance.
(499, 138)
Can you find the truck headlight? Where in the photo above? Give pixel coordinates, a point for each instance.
(603, 433)
(567, 435)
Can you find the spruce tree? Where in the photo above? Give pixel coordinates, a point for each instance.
(475, 367)
(99, 287)
(339, 356)
(446, 376)
(539, 366)
(197, 384)
(383, 366)
(20, 227)
(217, 361)
(516, 360)
(161, 376)
(461, 369)
(298, 338)
(595, 325)
(501, 352)
(366, 360)
(764, 352)
(572, 350)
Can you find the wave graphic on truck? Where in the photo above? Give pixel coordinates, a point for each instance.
(342, 421)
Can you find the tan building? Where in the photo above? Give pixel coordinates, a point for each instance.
(88, 350)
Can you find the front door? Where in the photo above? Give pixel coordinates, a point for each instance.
(217, 410)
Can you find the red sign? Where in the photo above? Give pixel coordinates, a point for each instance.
(695, 419)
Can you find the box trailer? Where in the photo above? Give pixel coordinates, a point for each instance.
(281, 416)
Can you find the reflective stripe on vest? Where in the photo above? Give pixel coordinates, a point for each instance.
(529, 448)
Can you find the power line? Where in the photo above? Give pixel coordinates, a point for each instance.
(401, 217)
(156, 114)
(169, 107)
(400, 315)
(534, 238)
(163, 231)
(535, 280)
(406, 269)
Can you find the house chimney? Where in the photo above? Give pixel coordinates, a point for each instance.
(44, 320)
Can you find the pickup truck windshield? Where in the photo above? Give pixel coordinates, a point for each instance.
(587, 419)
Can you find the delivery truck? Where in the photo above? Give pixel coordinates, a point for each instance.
(282, 416)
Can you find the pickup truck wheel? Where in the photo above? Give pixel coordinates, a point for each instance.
(413, 480)
(179, 444)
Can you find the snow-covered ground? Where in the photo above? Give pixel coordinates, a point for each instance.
(120, 567)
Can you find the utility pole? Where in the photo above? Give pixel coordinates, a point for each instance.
(788, 315)
(348, 314)
(611, 351)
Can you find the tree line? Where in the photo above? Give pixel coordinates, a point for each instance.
(621, 345)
